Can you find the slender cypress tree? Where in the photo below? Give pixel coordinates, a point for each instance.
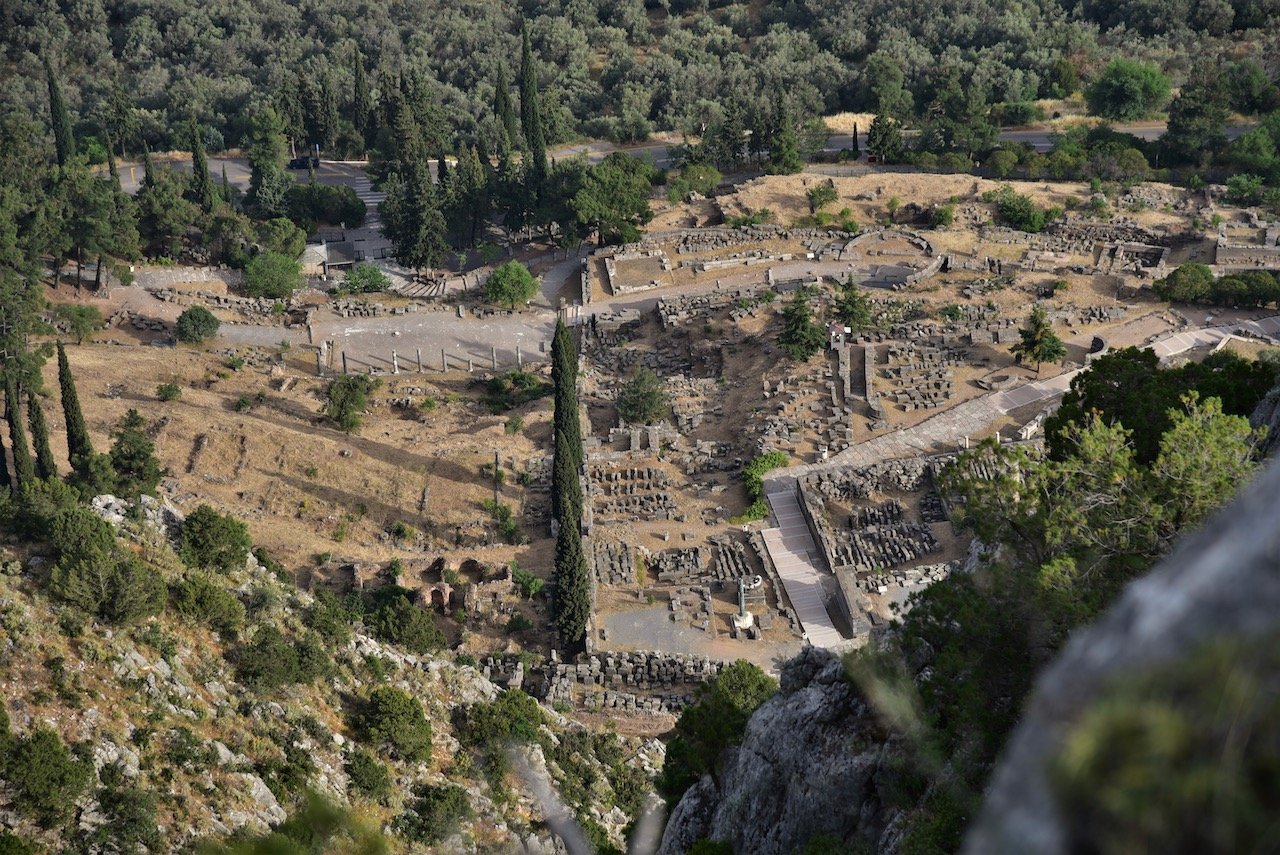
(535, 142)
(502, 104)
(63, 140)
(572, 586)
(79, 448)
(361, 99)
(46, 466)
(227, 195)
(6, 480)
(201, 189)
(24, 469)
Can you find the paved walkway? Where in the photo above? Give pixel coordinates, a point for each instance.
(791, 544)
(797, 559)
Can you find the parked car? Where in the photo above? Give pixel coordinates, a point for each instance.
(304, 163)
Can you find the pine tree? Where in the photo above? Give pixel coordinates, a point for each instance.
(1039, 342)
(79, 447)
(6, 480)
(201, 189)
(535, 142)
(854, 151)
(46, 466)
(502, 107)
(133, 457)
(63, 140)
(24, 469)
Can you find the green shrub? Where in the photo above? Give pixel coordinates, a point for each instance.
(330, 618)
(347, 397)
(526, 583)
(510, 284)
(401, 622)
(196, 324)
(368, 775)
(45, 779)
(272, 275)
(215, 541)
(270, 660)
(433, 813)
(714, 722)
(392, 720)
(513, 717)
(642, 400)
(365, 279)
(11, 844)
(168, 391)
(198, 596)
(518, 623)
(513, 389)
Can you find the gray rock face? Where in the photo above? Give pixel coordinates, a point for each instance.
(807, 766)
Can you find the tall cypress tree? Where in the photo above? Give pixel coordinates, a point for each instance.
(79, 447)
(63, 140)
(24, 469)
(535, 142)
(572, 586)
(6, 481)
(502, 107)
(46, 466)
(201, 189)
(361, 98)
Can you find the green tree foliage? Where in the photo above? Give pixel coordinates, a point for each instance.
(201, 598)
(510, 285)
(1128, 387)
(133, 457)
(535, 140)
(46, 465)
(272, 275)
(413, 220)
(715, 721)
(571, 582)
(1194, 283)
(268, 182)
(24, 467)
(401, 622)
(368, 775)
(196, 324)
(614, 199)
(433, 813)
(347, 398)
(1127, 90)
(1189, 283)
(392, 721)
(853, 307)
(502, 108)
(365, 279)
(1038, 341)
(82, 321)
(800, 337)
(214, 541)
(200, 191)
(1197, 118)
(697, 178)
(884, 139)
(46, 778)
(821, 195)
(1018, 210)
(164, 217)
(271, 660)
(495, 725)
(642, 400)
(64, 142)
(130, 812)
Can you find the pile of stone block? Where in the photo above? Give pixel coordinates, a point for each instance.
(614, 563)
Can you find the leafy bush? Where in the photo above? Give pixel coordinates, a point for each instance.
(45, 779)
(133, 458)
(511, 284)
(272, 275)
(1018, 211)
(526, 583)
(695, 178)
(513, 717)
(347, 397)
(433, 813)
(94, 577)
(393, 721)
(215, 541)
(168, 391)
(401, 622)
(131, 817)
(800, 337)
(196, 324)
(330, 618)
(368, 775)
(270, 660)
(715, 721)
(326, 203)
(81, 320)
(365, 279)
(513, 388)
(198, 596)
(1127, 90)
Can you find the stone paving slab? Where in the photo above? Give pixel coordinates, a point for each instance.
(797, 559)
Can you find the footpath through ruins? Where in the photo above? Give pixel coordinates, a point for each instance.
(790, 541)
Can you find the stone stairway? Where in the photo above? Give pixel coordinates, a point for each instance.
(797, 559)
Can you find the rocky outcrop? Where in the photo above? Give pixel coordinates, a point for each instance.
(808, 765)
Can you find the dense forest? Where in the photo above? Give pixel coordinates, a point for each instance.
(606, 69)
